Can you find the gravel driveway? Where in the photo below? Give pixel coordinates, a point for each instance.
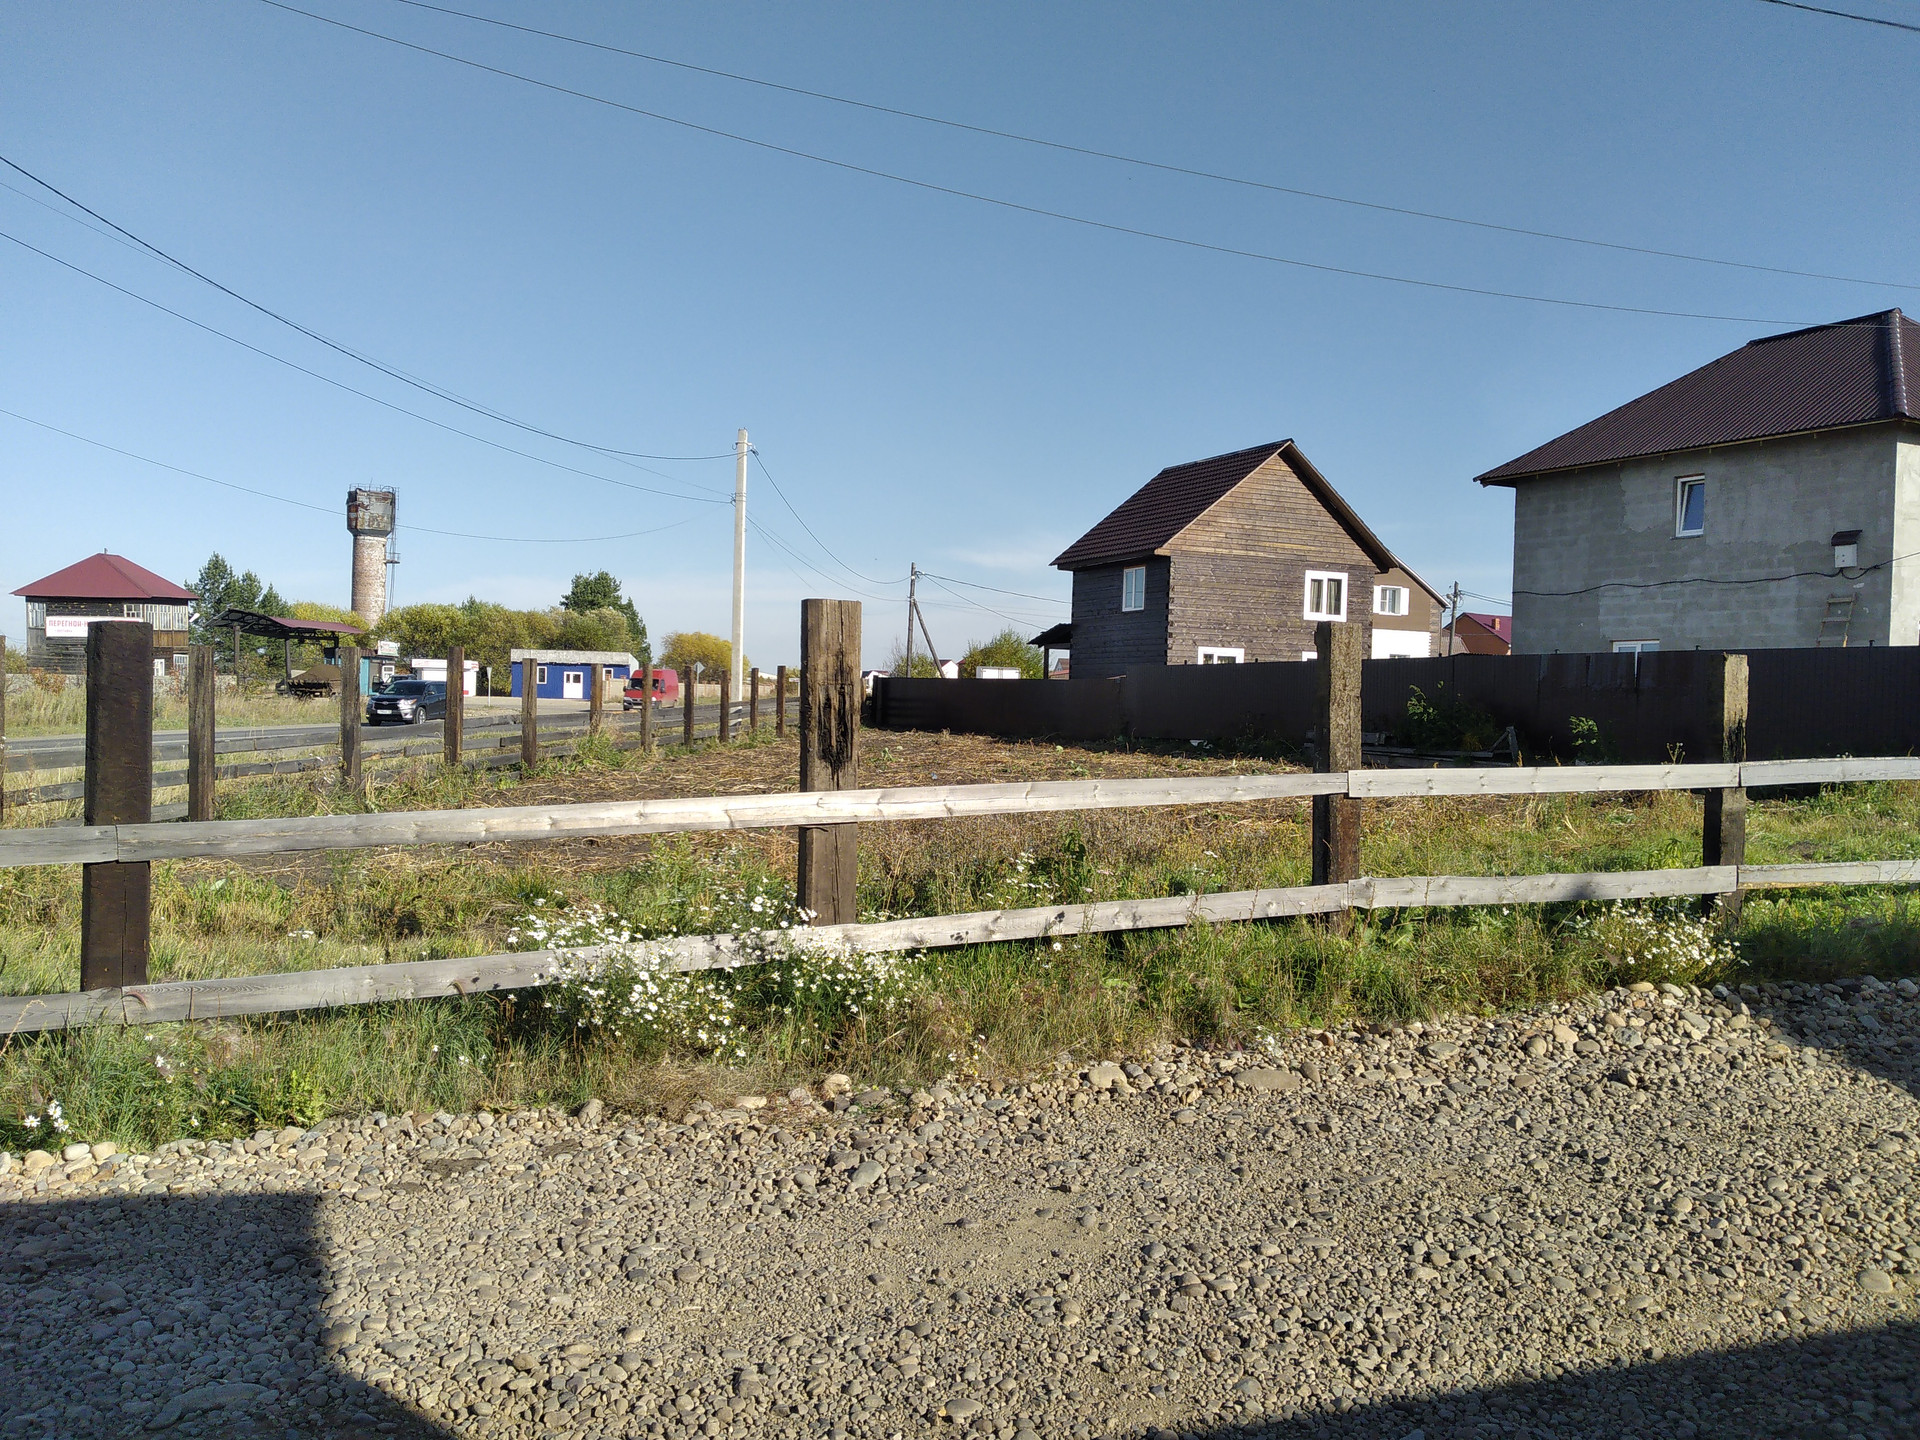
(1655, 1214)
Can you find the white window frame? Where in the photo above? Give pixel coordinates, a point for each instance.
(1306, 599)
(1636, 647)
(540, 675)
(1222, 655)
(1133, 588)
(1382, 603)
(1683, 485)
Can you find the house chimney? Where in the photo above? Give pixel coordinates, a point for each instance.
(370, 521)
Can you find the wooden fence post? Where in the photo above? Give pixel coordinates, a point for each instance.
(726, 706)
(689, 682)
(350, 718)
(646, 709)
(596, 697)
(780, 701)
(1336, 818)
(753, 701)
(3, 729)
(829, 754)
(115, 896)
(200, 732)
(529, 713)
(455, 723)
(1723, 840)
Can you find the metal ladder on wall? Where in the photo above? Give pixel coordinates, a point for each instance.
(1837, 623)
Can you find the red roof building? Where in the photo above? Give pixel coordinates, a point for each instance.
(60, 606)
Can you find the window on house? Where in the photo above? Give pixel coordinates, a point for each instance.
(1389, 599)
(1690, 505)
(1133, 588)
(1222, 655)
(1635, 647)
(540, 676)
(1326, 595)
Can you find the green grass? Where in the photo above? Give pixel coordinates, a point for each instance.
(39, 710)
(992, 1009)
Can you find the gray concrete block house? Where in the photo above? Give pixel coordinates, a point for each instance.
(1768, 499)
(1231, 560)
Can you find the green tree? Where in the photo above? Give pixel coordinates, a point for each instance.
(923, 668)
(1008, 648)
(219, 588)
(684, 648)
(602, 592)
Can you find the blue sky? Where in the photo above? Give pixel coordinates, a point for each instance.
(928, 378)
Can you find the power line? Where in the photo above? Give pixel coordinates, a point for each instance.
(1186, 170)
(1018, 207)
(976, 604)
(1709, 580)
(1837, 14)
(1022, 594)
(322, 509)
(439, 392)
(363, 394)
(809, 529)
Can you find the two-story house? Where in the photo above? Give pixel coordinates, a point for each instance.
(1236, 559)
(1768, 499)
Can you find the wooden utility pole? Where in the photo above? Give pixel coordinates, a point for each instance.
(115, 896)
(726, 706)
(1336, 818)
(1723, 840)
(780, 701)
(689, 682)
(596, 698)
(1453, 618)
(200, 732)
(829, 753)
(913, 585)
(453, 728)
(529, 714)
(350, 719)
(753, 701)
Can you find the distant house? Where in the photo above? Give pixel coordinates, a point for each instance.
(104, 587)
(1236, 559)
(568, 674)
(1471, 633)
(1770, 498)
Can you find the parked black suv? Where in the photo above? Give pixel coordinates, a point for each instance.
(408, 702)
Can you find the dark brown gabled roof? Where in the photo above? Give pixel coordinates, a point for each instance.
(1854, 372)
(1155, 514)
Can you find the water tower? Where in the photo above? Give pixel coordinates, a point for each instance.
(370, 521)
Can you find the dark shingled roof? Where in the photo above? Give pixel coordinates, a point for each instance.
(1853, 372)
(105, 577)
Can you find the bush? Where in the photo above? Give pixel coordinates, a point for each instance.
(1009, 649)
(1447, 722)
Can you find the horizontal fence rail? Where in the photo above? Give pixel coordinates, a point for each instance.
(184, 1000)
(217, 839)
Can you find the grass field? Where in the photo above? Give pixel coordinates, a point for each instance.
(1001, 1008)
(63, 711)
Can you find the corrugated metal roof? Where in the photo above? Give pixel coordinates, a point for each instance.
(105, 577)
(1852, 372)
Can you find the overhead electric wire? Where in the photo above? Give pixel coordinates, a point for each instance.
(439, 392)
(832, 580)
(1839, 15)
(809, 529)
(1106, 226)
(1713, 580)
(978, 605)
(363, 394)
(324, 509)
(1024, 595)
(1186, 170)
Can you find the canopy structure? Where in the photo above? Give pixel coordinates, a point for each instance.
(1057, 637)
(283, 628)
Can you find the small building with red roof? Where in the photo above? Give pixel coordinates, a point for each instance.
(104, 587)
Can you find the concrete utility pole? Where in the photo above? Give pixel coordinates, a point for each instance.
(740, 448)
(913, 582)
(1453, 618)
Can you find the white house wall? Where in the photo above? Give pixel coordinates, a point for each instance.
(1772, 509)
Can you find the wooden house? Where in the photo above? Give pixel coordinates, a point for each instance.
(1235, 559)
(104, 587)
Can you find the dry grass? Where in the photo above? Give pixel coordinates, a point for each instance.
(40, 710)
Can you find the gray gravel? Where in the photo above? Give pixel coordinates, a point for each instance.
(1655, 1214)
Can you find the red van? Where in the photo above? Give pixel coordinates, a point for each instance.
(665, 687)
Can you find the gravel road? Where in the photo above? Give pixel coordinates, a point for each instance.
(1653, 1214)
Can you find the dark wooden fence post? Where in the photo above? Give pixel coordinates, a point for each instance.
(829, 754)
(726, 706)
(3, 729)
(780, 701)
(200, 732)
(1723, 840)
(646, 709)
(350, 718)
(115, 896)
(529, 713)
(455, 723)
(753, 700)
(1336, 818)
(689, 682)
(596, 697)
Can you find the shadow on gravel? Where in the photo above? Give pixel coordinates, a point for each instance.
(175, 1316)
(1859, 1383)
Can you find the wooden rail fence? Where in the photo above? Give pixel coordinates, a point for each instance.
(830, 807)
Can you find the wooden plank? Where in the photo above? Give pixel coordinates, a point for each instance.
(1541, 780)
(1378, 893)
(829, 754)
(753, 700)
(596, 697)
(452, 730)
(1842, 771)
(1335, 842)
(3, 729)
(726, 706)
(689, 682)
(1832, 872)
(780, 700)
(201, 736)
(350, 718)
(1723, 834)
(529, 715)
(116, 896)
(646, 708)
